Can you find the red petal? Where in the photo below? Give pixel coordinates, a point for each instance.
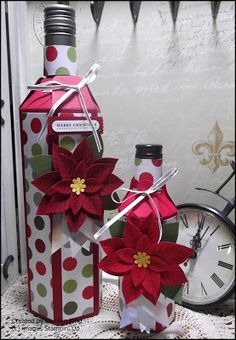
(126, 255)
(151, 284)
(137, 275)
(149, 226)
(100, 171)
(131, 235)
(63, 187)
(66, 167)
(56, 152)
(130, 292)
(92, 186)
(112, 265)
(173, 276)
(46, 181)
(144, 245)
(43, 205)
(112, 244)
(84, 152)
(93, 204)
(58, 203)
(76, 202)
(113, 182)
(80, 170)
(157, 264)
(106, 160)
(172, 253)
(75, 221)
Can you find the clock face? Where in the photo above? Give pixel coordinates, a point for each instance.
(211, 270)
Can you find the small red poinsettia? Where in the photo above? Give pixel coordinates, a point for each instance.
(161, 199)
(77, 184)
(144, 264)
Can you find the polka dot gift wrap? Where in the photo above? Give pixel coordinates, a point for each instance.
(62, 287)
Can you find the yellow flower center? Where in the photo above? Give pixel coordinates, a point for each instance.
(142, 259)
(78, 185)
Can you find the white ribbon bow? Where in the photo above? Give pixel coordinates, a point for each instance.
(55, 85)
(156, 186)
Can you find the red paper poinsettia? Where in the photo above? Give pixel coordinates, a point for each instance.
(161, 199)
(77, 184)
(144, 264)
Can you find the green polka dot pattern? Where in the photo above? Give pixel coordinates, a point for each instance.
(26, 185)
(87, 252)
(62, 71)
(71, 53)
(70, 286)
(41, 289)
(39, 222)
(36, 149)
(137, 161)
(37, 198)
(87, 270)
(70, 308)
(42, 310)
(67, 143)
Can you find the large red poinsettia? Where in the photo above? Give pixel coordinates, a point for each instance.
(144, 264)
(77, 184)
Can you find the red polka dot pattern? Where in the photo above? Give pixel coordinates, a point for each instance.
(36, 125)
(51, 53)
(40, 267)
(28, 231)
(146, 176)
(69, 263)
(169, 309)
(88, 292)
(157, 162)
(40, 246)
(30, 273)
(159, 327)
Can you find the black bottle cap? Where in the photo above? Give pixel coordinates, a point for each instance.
(151, 151)
(59, 25)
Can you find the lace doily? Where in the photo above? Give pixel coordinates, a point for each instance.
(18, 323)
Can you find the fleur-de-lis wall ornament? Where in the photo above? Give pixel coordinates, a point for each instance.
(214, 152)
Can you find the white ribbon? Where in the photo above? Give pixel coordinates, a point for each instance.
(144, 314)
(61, 234)
(156, 186)
(55, 85)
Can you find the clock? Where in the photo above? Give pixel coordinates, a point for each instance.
(211, 269)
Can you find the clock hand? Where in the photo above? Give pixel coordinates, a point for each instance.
(204, 233)
(196, 243)
(195, 254)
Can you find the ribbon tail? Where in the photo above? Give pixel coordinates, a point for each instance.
(60, 233)
(95, 134)
(54, 108)
(143, 314)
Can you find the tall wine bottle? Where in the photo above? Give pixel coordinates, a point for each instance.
(63, 275)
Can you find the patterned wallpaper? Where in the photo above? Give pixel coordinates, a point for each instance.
(160, 84)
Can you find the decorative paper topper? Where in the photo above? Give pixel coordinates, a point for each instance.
(161, 200)
(77, 185)
(144, 264)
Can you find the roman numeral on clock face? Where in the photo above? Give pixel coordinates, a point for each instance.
(224, 246)
(217, 280)
(186, 288)
(203, 290)
(184, 220)
(225, 265)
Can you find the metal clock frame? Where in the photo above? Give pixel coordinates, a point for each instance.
(222, 216)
